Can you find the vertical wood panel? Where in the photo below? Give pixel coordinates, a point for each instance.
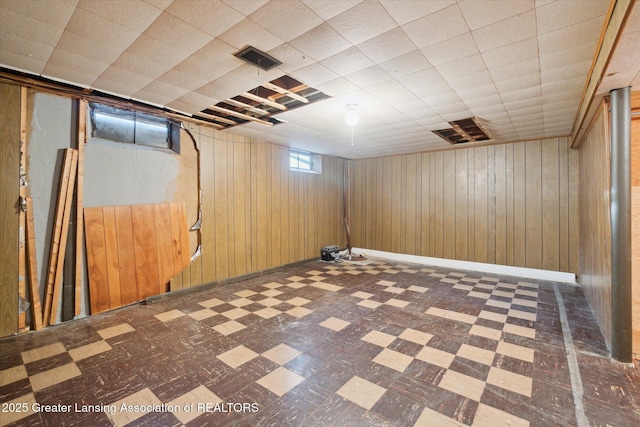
(438, 204)
(533, 204)
(111, 255)
(425, 210)
(164, 246)
(551, 205)
(480, 205)
(449, 205)
(563, 211)
(519, 204)
(471, 204)
(126, 255)
(208, 228)
(397, 220)
(144, 246)
(461, 211)
(220, 217)
(491, 205)
(96, 260)
(411, 203)
(501, 205)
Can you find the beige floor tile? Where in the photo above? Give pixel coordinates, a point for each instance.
(485, 286)
(317, 278)
(515, 351)
(488, 416)
(508, 285)
(298, 301)
(25, 402)
(490, 315)
(326, 286)
(503, 294)
(228, 328)
(114, 331)
(202, 314)
(240, 302)
(477, 294)
(298, 312)
(415, 336)
(415, 288)
(269, 302)
(11, 375)
(431, 418)
(483, 331)
(42, 352)
(369, 303)
(392, 271)
(361, 392)
(435, 357)
(276, 285)
(280, 381)
(335, 324)
(525, 315)
(210, 303)
(169, 315)
(499, 304)
(393, 290)
(142, 399)
(462, 286)
(354, 272)
(519, 330)
(476, 354)
(525, 302)
(199, 397)
(54, 376)
(463, 385)
(314, 272)
(281, 354)
(527, 292)
(379, 338)
(245, 293)
(385, 283)
(449, 280)
(453, 315)
(295, 278)
(267, 312)
(237, 356)
(271, 293)
(296, 285)
(397, 303)
(528, 285)
(490, 279)
(235, 313)
(393, 359)
(510, 381)
(438, 275)
(89, 350)
(362, 295)
(470, 280)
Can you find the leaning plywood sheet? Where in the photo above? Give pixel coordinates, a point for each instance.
(133, 252)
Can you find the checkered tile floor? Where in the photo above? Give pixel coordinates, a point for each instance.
(373, 343)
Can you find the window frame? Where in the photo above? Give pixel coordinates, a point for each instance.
(314, 161)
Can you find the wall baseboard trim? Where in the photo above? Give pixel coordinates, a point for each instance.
(530, 273)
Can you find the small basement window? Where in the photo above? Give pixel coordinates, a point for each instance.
(132, 127)
(304, 161)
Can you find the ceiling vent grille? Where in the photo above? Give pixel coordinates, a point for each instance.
(464, 131)
(258, 58)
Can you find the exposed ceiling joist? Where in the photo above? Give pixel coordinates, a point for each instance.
(264, 101)
(287, 92)
(240, 115)
(247, 106)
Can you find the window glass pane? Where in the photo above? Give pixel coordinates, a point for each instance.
(113, 124)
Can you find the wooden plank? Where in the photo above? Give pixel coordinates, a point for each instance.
(185, 248)
(449, 204)
(519, 205)
(501, 205)
(425, 207)
(480, 205)
(22, 247)
(410, 232)
(208, 212)
(550, 205)
(533, 200)
(126, 255)
(79, 266)
(64, 232)
(96, 260)
(491, 205)
(55, 238)
(144, 243)
(176, 242)
(162, 216)
(438, 204)
(220, 209)
(34, 288)
(111, 245)
(461, 209)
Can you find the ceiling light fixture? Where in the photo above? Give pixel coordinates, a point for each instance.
(352, 115)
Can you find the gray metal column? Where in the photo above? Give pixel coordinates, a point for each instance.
(621, 337)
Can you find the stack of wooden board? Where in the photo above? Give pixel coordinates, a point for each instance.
(133, 251)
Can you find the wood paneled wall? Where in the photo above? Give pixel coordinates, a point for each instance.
(9, 217)
(635, 231)
(595, 225)
(256, 213)
(509, 204)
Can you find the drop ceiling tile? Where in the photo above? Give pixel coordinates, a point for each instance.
(73, 68)
(160, 92)
(86, 48)
(462, 67)
(347, 62)
(515, 70)
(425, 83)
(584, 32)
(23, 47)
(314, 74)
(286, 19)
(575, 83)
(561, 14)
(21, 62)
(178, 78)
(292, 59)
(386, 46)
(162, 4)
(153, 50)
(508, 31)
(579, 69)
(527, 95)
(568, 96)
(513, 53)
(480, 13)
(176, 33)
(368, 77)
(408, 63)
(391, 92)
(405, 11)
(103, 32)
(518, 83)
(57, 16)
(141, 66)
(246, 7)
(213, 60)
(134, 15)
(121, 82)
(211, 17)
(471, 81)
(336, 87)
(481, 102)
(321, 42)
(192, 102)
(66, 74)
(362, 22)
(569, 56)
(248, 32)
(29, 28)
(450, 50)
(431, 29)
(241, 79)
(328, 9)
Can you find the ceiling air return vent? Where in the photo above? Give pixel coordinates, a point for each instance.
(463, 131)
(258, 58)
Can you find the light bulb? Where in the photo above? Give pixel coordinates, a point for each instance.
(352, 115)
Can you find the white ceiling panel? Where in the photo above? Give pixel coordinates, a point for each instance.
(410, 65)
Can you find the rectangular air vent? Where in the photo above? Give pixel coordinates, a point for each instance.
(463, 131)
(258, 58)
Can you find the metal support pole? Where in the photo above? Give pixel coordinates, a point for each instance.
(621, 337)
